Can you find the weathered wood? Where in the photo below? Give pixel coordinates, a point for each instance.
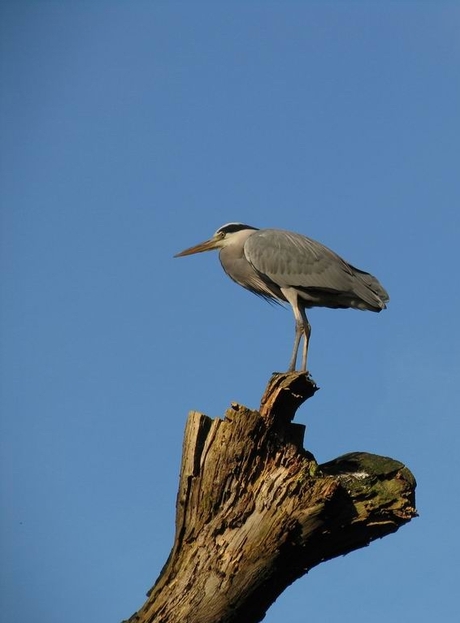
(255, 511)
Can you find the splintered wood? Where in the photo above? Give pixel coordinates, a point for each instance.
(255, 511)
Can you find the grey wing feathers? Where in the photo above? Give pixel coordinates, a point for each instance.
(373, 284)
(322, 277)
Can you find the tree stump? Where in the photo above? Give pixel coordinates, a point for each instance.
(255, 511)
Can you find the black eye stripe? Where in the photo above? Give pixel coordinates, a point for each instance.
(231, 228)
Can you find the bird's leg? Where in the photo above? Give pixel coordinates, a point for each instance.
(306, 329)
(298, 334)
(301, 326)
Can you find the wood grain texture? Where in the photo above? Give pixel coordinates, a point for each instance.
(255, 511)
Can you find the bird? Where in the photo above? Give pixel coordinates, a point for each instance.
(286, 267)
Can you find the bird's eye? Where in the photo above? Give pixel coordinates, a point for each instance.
(221, 234)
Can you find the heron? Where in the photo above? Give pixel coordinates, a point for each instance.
(286, 267)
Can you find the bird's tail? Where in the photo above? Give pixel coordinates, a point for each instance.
(373, 293)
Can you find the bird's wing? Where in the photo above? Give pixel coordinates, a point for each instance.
(292, 260)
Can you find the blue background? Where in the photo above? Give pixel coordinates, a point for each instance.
(131, 130)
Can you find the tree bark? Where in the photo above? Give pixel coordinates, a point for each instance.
(255, 511)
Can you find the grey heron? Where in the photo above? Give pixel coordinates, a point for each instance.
(290, 268)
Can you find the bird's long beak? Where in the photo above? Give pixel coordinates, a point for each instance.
(207, 245)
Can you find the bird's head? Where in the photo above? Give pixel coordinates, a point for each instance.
(224, 236)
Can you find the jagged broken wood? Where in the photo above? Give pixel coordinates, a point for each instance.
(255, 511)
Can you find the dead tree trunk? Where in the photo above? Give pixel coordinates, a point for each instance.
(255, 511)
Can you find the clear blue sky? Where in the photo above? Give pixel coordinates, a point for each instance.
(131, 130)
